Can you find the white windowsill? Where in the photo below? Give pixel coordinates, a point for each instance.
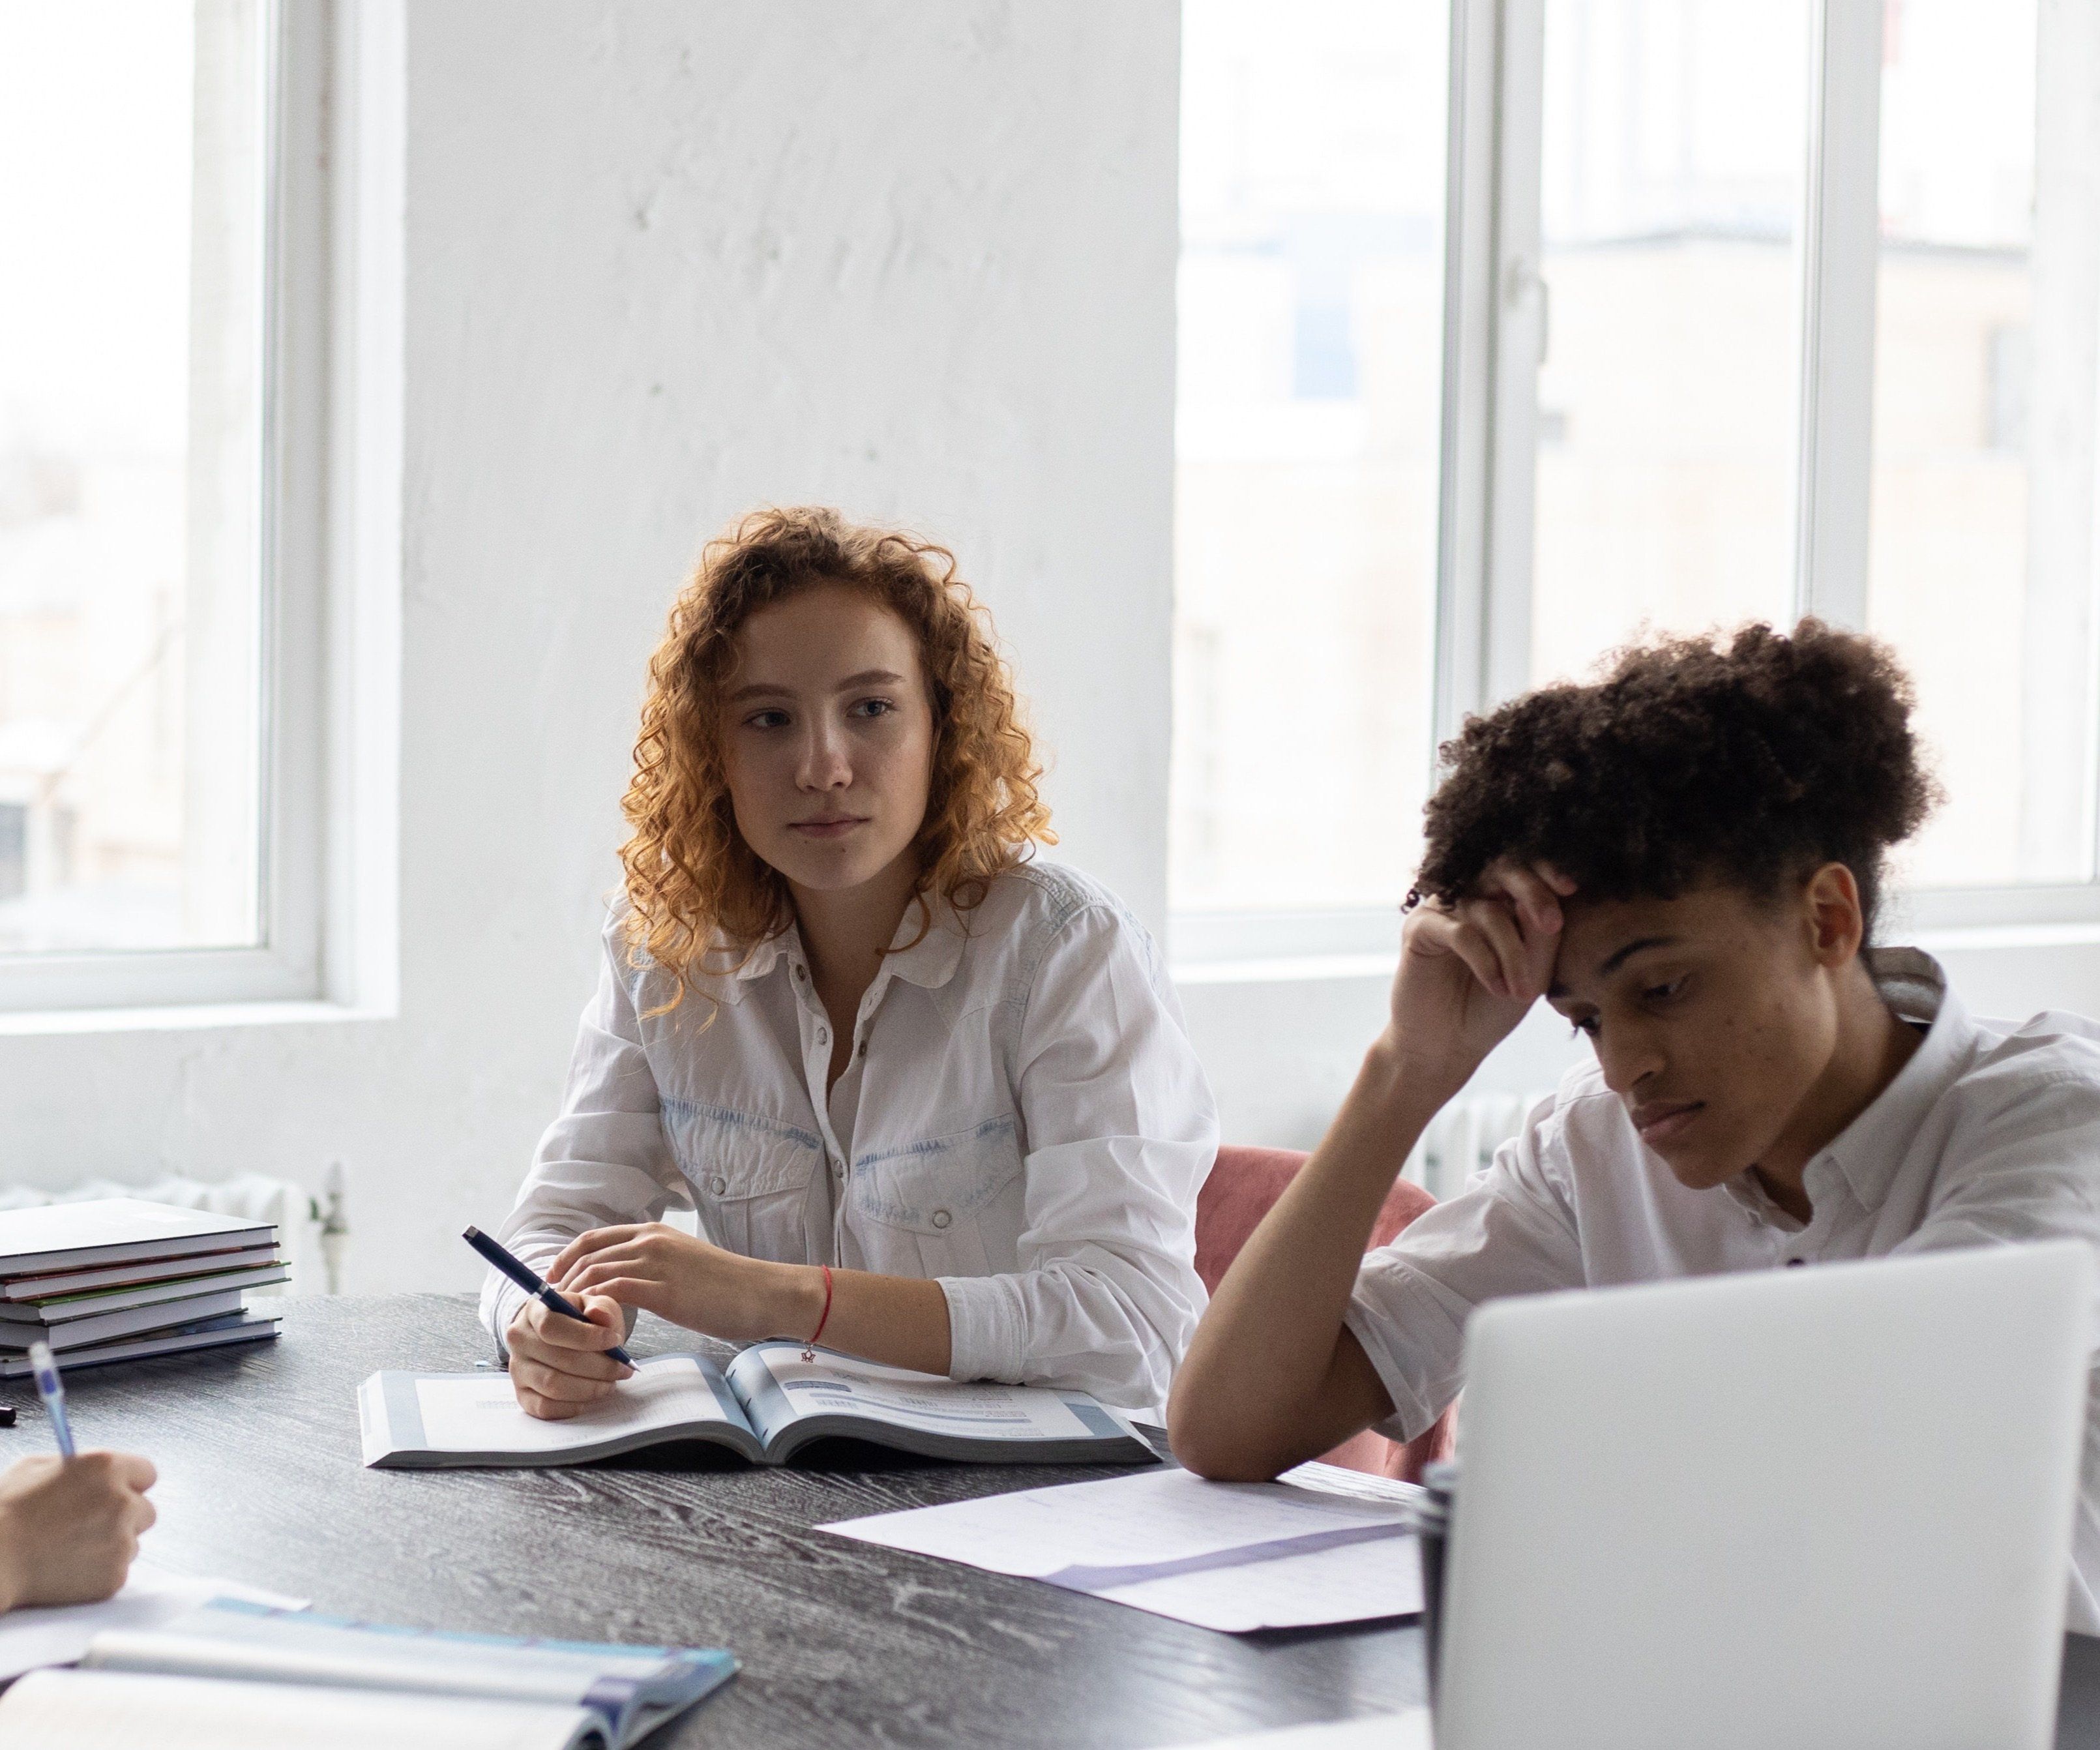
(1273, 969)
(178, 1018)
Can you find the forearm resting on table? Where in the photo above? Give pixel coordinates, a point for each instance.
(1271, 1379)
(900, 1321)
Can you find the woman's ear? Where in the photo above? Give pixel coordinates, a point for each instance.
(1837, 924)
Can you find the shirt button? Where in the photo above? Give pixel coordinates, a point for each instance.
(823, 1037)
(718, 1184)
(941, 1218)
(837, 1164)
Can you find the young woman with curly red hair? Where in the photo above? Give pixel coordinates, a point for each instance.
(928, 1096)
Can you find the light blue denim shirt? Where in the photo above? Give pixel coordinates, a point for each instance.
(1024, 1121)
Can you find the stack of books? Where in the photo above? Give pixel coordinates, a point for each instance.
(117, 1279)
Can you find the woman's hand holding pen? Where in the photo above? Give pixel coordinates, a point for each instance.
(69, 1527)
(558, 1364)
(670, 1273)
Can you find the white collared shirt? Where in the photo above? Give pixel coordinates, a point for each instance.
(1023, 1120)
(1989, 1134)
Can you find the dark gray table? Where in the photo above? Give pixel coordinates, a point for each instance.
(842, 1643)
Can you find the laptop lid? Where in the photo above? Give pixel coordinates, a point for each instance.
(1827, 1508)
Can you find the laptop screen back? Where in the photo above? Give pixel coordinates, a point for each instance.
(1827, 1507)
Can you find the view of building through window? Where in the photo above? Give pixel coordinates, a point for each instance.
(1987, 311)
(1672, 152)
(131, 136)
(1305, 484)
(1673, 145)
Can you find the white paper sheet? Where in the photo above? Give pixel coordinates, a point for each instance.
(478, 1413)
(1232, 1556)
(1379, 1731)
(59, 1634)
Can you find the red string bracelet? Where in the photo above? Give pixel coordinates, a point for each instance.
(809, 1348)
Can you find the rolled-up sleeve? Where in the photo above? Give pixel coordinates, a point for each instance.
(1121, 1133)
(603, 1160)
(1511, 1231)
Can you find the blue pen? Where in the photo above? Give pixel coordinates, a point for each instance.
(526, 1278)
(53, 1393)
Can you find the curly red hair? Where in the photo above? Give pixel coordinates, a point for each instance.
(701, 901)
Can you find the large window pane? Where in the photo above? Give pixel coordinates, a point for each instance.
(131, 201)
(1981, 557)
(1306, 477)
(1672, 161)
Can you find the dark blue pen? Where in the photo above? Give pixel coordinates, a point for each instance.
(533, 1283)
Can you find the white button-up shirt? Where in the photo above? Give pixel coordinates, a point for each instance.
(1022, 1119)
(1989, 1134)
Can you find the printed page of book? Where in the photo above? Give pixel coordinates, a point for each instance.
(1232, 1556)
(123, 1710)
(779, 1388)
(478, 1413)
(58, 1634)
(630, 1688)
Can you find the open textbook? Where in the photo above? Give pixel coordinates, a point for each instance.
(236, 1676)
(766, 1405)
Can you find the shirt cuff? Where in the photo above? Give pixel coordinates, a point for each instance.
(501, 1298)
(984, 1327)
(1373, 1327)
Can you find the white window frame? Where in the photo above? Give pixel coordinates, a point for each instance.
(1497, 314)
(287, 964)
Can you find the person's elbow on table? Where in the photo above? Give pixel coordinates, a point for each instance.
(1213, 1437)
(70, 1527)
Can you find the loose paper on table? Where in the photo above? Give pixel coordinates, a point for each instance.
(1378, 1731)
(1319, 1545)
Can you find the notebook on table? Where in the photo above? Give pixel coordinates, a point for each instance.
(219, 1333)
(232, 1675)
(765, 1406)
(109, 1231)
(54, 1307)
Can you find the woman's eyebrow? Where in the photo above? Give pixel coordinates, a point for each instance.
(866, 677)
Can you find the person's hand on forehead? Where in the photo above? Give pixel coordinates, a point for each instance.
(1471, 967)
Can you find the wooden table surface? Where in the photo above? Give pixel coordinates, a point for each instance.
(842, 1643)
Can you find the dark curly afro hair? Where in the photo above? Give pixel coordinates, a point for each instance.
(1749, 758)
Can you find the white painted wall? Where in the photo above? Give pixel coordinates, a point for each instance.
(664, 259)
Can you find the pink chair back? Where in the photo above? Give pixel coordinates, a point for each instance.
(1243, 1186)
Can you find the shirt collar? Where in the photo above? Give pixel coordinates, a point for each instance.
(929, 961)
(1869, 1150)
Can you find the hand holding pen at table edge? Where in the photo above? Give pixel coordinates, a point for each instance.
(70, 1522)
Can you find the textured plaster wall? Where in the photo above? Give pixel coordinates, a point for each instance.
(666, 258)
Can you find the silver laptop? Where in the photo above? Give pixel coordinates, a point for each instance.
(1825, 1509)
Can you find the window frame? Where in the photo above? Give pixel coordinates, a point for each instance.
(1496, 328)
(286, 963)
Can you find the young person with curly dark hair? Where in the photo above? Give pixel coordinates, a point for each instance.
(1685, 859)
(932, 1100)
